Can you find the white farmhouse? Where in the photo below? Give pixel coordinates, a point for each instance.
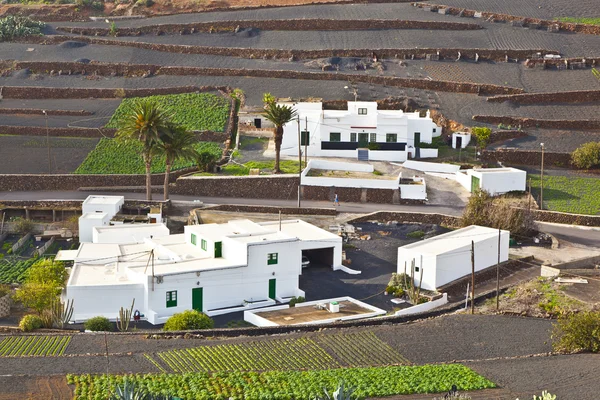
(495, 181)
(445, 258)
(362, 131)
(213, 268)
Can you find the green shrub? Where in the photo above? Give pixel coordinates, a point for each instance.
(436, 143)
(373, 146)
(12, 27)
(587, 155)
(399, 292)
(4, 290)
(390, 290)
(416, 235)
(482, 136)
(23, 226)
(376, 172)
(188, 320)
(30, 323)
(576, 332)
(296, 300)
(98, 324)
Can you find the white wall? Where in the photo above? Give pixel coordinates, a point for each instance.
(428, 153)
(425, 262)
(129, 233)
(86, 226)
(466, 139)
(338, 166)
(431, 167)
(104, 300)
(415, 192)
(420, 308)
(501, 180)
(393, 156)
(111, 207)
(464, 179)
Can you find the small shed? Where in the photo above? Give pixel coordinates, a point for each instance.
(460, 140)
(445, 258)
(495, 181)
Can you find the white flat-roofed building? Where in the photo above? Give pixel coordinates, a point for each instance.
(445, 258)
(213, 268)
(495, 181)
(130, 233)
(359, 131)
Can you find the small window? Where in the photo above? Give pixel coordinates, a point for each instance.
(304, 138)
(203, 244)
(335, 137)
(434, 130)
(172, 298)
(272, 258)
(373, 137)
(416, 269)
(193, 239)
(391, 137)
(353, 136)
(362, 111)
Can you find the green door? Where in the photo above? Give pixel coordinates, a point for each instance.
(363, 139)
(218, 246)
(474, 183)
(197, 299)
(272, 290)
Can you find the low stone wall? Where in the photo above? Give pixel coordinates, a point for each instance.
(539, 123)
(526, 22)
(60, 132)
(274, 210)
(133, 70)
(5, 304)
(307, 24)
(525, 157)
(281, 187)
(582, 263)
(573, 97)
(504, 135)
(36, 111)
(565, 218)
(424, 218)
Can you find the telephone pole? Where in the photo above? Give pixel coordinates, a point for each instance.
(472, 277)
(542, 180)
(299, 162)
(498, 274)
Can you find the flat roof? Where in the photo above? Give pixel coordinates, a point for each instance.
(103, 199)
(98, 251)
(100, 275)
(302, 230)
(503, 169)
(94, 215)
(136, 227)
(452, 240)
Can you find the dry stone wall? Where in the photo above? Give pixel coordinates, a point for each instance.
(525, 157)
(36, 111)
(273, 210)
(539, 123)
(581, 96)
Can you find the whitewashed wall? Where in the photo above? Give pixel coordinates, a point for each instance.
(414, 192)
(420, 308)
(502, 180)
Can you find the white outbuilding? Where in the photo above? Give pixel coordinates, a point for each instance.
(445, 258)
(495, 181)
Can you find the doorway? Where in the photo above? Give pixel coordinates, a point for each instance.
(272, 288)
(257, 122)
(197, 299)
(363, 139)
(417, 141)
(474, 183)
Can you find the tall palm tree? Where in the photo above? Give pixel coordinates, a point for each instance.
(146, 122)
(177, 144)
(279, 115)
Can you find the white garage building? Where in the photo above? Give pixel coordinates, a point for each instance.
(213, 268)
(495, 181)
(447, 257)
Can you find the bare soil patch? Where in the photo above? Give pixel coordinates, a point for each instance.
(348, 174)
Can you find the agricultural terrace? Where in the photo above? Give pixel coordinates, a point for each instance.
(285, 385)
(568, 193)
(13, 269)
(112, 156)
(195, 111)
(44, 346)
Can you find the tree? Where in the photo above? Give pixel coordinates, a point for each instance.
(279, 115)
(146, 123)
(44, 281)
(175, 144)
(268, 99)
(482, 136)
(587, 155)
(47, 272)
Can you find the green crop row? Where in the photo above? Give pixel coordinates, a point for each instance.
(21, 346)
(195, 111)
(302, 353)
(288, 385)
(112, 156)
(568, 193)
(13, 269)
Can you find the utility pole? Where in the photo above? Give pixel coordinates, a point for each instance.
(299, 162)
(529, 201)
(542, 180)
(472, 277)
(48, 143)
(498, 274)
(306, 141)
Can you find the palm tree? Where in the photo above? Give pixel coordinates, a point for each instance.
(177, 144)
(279, 115)
(146, 123)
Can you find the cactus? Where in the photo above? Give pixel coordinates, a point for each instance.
(61, 313)
(341, 393)
(124, 318)
(414, 292)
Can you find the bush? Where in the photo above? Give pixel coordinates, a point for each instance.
(416, 235)
(188, 320)
(576, 332)
(296, 300)
(98, 324)
(12, 27)
(4, 290)
(482, 136)
(587, 155)
(23, 226)
(30, 323)
(373, 146)
(399, 292)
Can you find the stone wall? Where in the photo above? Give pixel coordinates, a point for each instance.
(273, 210)
(281, 187)
(525, 157)
(36, 111)
(5, 304)
(504, 135)
(578, 96)
(565, 218)
(272, 25)
(60, 132)
(424, 218)
(539, 123)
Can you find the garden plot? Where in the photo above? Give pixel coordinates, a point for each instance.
(23, 346)
(568, 194)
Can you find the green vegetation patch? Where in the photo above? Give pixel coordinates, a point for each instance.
(581, 20)
(569, 194)
(13, 269)
(195, 111)
(285, 385)
(63, 143)
(46, 346)
(112, 156)
(12, 27)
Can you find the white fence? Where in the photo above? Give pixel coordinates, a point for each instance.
(43, 249)
(431, 167)
(419, 308)
(21, 242)
(416, 191)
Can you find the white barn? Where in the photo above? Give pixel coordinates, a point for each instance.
(495, 181)
(445, 258)
(391, 135)
(213, 268)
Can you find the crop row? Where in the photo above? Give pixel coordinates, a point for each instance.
(21, 346)
(361, 349)
(195, 111)
(13, 269)
(112, 156)
(287, 385)
(302, 353)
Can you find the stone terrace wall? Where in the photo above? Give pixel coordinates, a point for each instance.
(273, 25)
(539, 123)
(387, 216)
(35, 111)
(273, 210)
(565, 218)
(283, 187)
(525, 157)
(504, 135)
(579, 96)
(132, 70)
(52, 131)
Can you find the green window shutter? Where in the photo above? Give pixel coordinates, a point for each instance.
(305, 138)
(272, 258)
(335, 137)
(391, 137)
(172, 299)
(203, 244)
(193, 239)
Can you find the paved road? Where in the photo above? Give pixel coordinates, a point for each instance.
(583, 235)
